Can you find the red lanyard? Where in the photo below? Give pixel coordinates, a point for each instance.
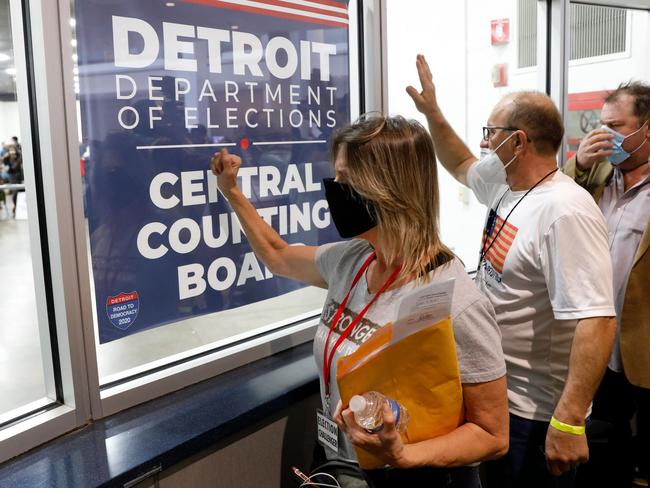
(327, 360)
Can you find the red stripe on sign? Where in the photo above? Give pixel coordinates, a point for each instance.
(270, 13)
(587, 100)
(331, 3)
(316, 10)
(124, 297)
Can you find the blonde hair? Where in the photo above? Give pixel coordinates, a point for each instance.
(390, 162)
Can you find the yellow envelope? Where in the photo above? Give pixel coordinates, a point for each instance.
(420, 371)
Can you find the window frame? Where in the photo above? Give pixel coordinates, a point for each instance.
(559, 81)
(627, 4)
(38, 89)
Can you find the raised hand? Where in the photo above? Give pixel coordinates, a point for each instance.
(225, 167)
(425, 100)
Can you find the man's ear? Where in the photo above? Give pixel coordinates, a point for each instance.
(521, 140)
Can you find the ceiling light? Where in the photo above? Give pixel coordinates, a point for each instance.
(11, 71)
(170, 4)
(73, 22)
(75, 58)
(73, 43)
(4, 57)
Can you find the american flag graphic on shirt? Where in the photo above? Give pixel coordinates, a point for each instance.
(503, 237)
(325, 12)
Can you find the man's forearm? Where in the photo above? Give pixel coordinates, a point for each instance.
(592, 346)
(450, 149)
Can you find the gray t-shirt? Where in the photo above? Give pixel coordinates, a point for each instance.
(478, 340)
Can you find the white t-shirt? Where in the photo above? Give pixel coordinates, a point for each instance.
(548, 267)
(476, 334)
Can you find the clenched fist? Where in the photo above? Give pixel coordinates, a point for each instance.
(225, 167)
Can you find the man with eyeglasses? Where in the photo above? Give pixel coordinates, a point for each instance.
(613, 164)
(554, 306)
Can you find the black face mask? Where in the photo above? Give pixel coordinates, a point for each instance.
(352, 214)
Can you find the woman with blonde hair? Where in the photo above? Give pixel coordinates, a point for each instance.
(385, 197)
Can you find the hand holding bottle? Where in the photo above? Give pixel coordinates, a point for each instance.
(386, 444)
(368, 411)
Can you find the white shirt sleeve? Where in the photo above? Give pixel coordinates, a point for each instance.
(577, 267)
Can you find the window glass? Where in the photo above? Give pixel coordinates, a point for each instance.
(162, 86)
(26, 373)
(477, 55)
(608, 47)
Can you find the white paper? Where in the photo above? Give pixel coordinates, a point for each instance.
(423, 307)
(418, 310)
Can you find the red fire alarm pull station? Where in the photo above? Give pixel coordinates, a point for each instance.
(500, 30)
(500, 75)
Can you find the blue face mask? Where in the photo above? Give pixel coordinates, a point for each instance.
(619, 154)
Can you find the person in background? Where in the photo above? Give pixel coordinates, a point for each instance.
(554, 308)
(612, 163)
(13, 163)
(385, 197)
(16, 144)
(4, 177)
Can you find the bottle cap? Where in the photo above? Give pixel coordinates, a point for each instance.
(358, 403)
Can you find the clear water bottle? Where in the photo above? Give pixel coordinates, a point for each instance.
(368, 407)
